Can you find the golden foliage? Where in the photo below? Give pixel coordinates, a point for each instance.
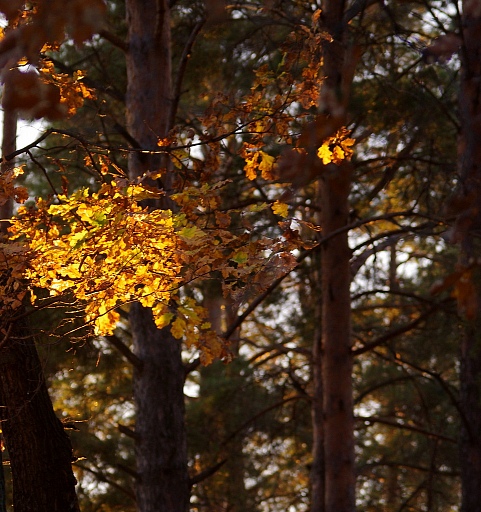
(337, 148)
(106, 250)
(73, 91)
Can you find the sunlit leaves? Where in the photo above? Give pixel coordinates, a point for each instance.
(8, 188)
(258, 160)
(73, 91)
(104, 248)
(280, 209)
(337, 148)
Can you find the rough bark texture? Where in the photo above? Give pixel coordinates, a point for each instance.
(39, 449)
(469, 221)
(336, 278)
(317, 476)
(337, 357)
(161, 450)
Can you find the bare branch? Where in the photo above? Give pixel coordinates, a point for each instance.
(181, 71)
(128, 432)
(404, 426)
(114, 39)
(101, 476)
(199, 477)
(399, 330)
(124, 350)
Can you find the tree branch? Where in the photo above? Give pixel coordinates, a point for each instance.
(399, 330)
(181, 71)
(128, 432)
(114, 39)
(124, 350)
(101, 476)
(199, 477)
(404, 426)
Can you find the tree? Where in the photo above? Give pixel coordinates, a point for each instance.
(40, 465)
(276, 220)
(467, 287)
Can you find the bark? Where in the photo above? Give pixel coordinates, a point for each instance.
(161, 450)
(317, 476)
(3, 490)
(317, 473)
(336, 301)
(468, 221)
(39, 449)
(337, 356)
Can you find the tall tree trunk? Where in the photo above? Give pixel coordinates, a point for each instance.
(39, 449)
(161, 449)
(336, 279)
(9, 136)
(469, 220)
(317, 476)
(3, 490)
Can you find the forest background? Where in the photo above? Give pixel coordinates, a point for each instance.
(242, 257)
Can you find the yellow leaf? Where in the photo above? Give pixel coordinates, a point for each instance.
(250, 166)
(280, 209)
(178, 328)
(163, 320)
(105, 323)
(325, 154)
(266, 165)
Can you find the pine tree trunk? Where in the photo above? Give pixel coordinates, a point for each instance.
(336, 279)
(337, 357)
(161, 450)
(317, 475)
(469, 220)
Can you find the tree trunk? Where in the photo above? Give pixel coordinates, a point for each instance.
(9, 137)
(336, 279)
(39, 449)
(3, 489)
(161, 449)
(337, 357)
(468, 221)
(317, 476)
